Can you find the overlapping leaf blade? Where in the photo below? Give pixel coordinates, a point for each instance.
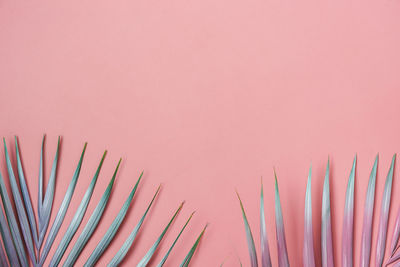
(173, 244)
(145, 260)
(26, 196)
(265, 254)
(189, 256)
(326, 228)
(249, 236)
(384, 217)
(62, 210)
(308, 248)
(91, 224)
(12, 223)
(119, 256)
(19, 205)
(77, 219)
(283, 259)
(109, 235)
(47, 203)
(8, 241)
(348, 219)
(366, 236)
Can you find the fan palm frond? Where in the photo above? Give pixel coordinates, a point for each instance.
(23, 235)
(326, 228)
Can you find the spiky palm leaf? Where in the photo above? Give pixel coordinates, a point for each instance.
(23, 248)
(326, 231)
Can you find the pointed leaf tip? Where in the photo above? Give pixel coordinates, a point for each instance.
(326, 228)
(366, 237)
(308, 249)
(249, 236)
(384, 217)
(348, 218)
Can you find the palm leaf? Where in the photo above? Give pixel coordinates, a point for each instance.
(23, 219)
(26, 197)
(13, 246)
(368, 216)
(326, 228)
(283, 259)
(62, 210)
(112, 230)
(348, 218)
(7, 241)
(265, 254)
(176, 240)
(145, 260)
(119, 256)
(384, 218)
(92, 223)
(77, 219)
(12, 223)
(47, 204)
(308, 249)
(189, 256)
(249, 236)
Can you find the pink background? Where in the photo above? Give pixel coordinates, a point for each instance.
(206, 97)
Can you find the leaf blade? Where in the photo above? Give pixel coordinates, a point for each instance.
(283, 259)
(145, 260)
(308, 248)
(62, 210)
(265, 254)
(189, 256)
(119, 256)
(173, 244)
(109, 235)
(8, 241)
(91, 224)
(12, 223)
(47, 203)
(384, 217)
(26, 196)
(77, 219)
(326, 227)
(249, 236)
(23, 219)
(348, 219)
(368, 217)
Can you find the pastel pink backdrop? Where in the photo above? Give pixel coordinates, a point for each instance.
(205, 97)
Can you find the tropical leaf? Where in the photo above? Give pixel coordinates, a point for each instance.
(368, 216)
(26, 196)
(145, 260)
(12, 223)
(249, 236)
(265, 254)
(62, 210)
(308, 249)
(112, 230)
(19, 205)
(77, 219)
(326, 228)
(176, 240)
(283, 259)
(92, 223)
(189, 256)
(384, 218)
(119, 256)
(47, 204)
(7, 241)
(348, 218)
(18, 249)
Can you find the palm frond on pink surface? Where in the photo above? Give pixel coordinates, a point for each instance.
(22, 236)
(347, 257)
